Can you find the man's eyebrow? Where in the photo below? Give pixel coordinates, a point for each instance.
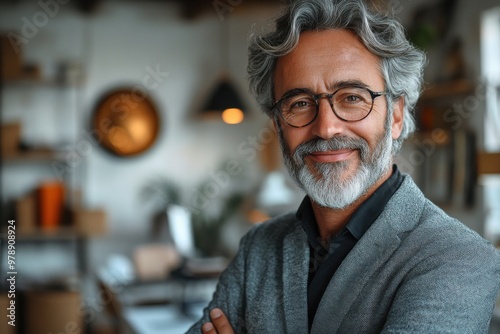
(347, 83)
(295, 91)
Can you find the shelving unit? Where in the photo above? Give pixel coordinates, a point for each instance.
(52, 263)
(447, 144)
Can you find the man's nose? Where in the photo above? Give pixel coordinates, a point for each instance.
(327, 124)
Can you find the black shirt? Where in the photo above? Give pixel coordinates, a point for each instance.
(325, 259)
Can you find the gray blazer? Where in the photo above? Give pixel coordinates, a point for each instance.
(415, 270)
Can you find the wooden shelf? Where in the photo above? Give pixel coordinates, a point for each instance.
(488, 163)
(34, 81)
(39, 155)
(21, 83)
(440, 139)
(61, 233)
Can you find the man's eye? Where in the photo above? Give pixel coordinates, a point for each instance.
(301, 104)
(353, 98)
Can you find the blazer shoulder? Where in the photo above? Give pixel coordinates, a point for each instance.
(418, 221)
(450, 232)
(275, 228)
(432, 233)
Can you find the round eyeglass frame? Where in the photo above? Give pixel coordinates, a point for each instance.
(319, 96)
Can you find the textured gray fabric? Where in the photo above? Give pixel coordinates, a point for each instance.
(416, 270)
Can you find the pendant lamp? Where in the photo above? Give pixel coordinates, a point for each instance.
(224, 100)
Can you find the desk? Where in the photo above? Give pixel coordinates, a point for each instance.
(172, 306)
(161, 319)
(153, 307)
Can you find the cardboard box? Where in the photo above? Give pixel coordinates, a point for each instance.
(11, 138)
(90, 222)
(26, 222)
(155, 261)
(488, 163)
(4, 326)
(53, 312)
(11, 57)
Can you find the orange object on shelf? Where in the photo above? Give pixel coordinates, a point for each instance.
(51, 204)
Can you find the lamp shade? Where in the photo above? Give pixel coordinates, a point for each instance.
(224, 99)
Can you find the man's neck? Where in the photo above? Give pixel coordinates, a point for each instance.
(331, 221)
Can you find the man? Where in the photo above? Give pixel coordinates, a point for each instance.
(366, 252)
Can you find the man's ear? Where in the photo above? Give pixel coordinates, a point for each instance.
(398, 117)
(275, 124)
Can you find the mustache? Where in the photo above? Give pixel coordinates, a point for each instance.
(332, 144)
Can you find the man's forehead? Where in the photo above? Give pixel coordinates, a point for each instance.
(338, 52)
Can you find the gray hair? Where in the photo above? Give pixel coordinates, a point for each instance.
(401, 63)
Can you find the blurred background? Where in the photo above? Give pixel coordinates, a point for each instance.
(134, 157)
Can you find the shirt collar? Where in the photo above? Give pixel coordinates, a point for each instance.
(362, 219)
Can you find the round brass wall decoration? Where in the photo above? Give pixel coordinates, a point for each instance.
(125, 122)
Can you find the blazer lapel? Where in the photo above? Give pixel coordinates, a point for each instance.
(295, 273)
(370, 253)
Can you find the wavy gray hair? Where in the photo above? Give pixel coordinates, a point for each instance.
(401, 63)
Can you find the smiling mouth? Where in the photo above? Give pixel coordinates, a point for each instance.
(331, 156)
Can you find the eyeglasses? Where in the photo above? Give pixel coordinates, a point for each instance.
(300, 107)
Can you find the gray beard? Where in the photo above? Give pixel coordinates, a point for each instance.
(325, 186)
